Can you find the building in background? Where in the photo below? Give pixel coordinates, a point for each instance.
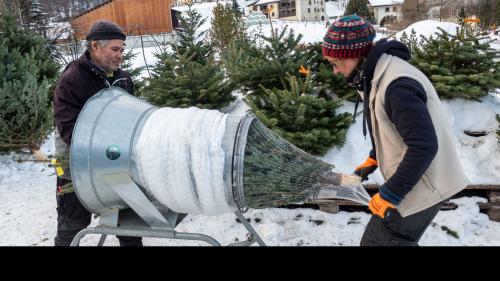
(386, 8)
(302, 10)
(134, 17)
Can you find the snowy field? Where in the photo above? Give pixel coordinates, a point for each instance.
(27, 190)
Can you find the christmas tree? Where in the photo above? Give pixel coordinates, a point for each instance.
(183, 82)
(307, 121)
(135, 72)
(191, 40)
(323, 76)
(189, 76)
(226, 25)
(360, 8)
(250, 66)
(460, 66)
(27, 73)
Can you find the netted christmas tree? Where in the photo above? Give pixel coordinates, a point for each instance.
(307, 121)
(188, 75)
(27, 73)
(459, 66)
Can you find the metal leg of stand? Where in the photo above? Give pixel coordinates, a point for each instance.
(255, 236)
(101, 241)
(157, 233)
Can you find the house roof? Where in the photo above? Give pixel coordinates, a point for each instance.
(376, 3)
(91, 9)
(260, 2)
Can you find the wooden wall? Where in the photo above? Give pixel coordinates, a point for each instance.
(135, 17)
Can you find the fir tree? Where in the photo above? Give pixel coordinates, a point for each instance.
(135, 73)
(189, 76)
(38, 18)
(250, 66)
(307, 121)
(226, 25)
(192, 41)
(326, 81)
(410, 41)
(462, 16)
(360, 8)
(27, 73)
(183, 82)
(459, 66)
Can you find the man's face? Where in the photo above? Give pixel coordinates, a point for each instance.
(343, 66)
(110, 56)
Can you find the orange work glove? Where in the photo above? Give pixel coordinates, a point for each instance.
(368, 167)
(379, 206)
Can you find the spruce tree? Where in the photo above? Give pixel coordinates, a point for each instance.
(191, 40)
(305, 120)
(226, 25)
(183, 82)
(250, 66)
(459, 66)
(360, 8)
(324, 78)
(189, 76)
(27, 73)
(135, 72)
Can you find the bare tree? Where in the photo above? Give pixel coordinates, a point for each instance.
(414, 10)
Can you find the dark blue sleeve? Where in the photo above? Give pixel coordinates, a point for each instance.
(405, 104)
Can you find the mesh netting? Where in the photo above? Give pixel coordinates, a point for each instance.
(275, 172)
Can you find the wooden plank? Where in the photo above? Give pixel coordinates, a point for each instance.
(494, 196)
(494, 215)
(471, 186)
(490, 206)
(329, 208)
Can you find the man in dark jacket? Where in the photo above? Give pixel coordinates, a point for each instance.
(96, 69)
(412, 142)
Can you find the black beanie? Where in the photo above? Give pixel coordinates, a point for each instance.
(105, 30)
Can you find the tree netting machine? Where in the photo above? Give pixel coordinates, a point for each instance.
(260, 170)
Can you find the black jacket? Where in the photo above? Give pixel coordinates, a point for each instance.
(81, 80)
(405, 104)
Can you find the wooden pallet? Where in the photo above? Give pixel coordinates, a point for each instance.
(492, 207)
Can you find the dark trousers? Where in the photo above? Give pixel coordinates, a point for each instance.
(394, 230)
(73, 217)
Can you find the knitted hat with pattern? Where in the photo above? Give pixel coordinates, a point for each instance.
(349, 37)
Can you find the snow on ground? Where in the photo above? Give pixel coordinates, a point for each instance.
(427, 28)
(28, 215)
(27, 190)
(480, 156)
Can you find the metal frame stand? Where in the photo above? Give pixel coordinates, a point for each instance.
(130, 224)
(144, 219)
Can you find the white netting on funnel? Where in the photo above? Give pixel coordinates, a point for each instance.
(180, 160)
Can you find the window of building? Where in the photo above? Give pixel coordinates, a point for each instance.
(309, 2)
(272, 14)
(309, 10)
(394, 9)
(387, 9)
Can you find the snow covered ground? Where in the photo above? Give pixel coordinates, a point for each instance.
(27, 190)
(28, 215)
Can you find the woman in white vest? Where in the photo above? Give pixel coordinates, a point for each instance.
(412, 142)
